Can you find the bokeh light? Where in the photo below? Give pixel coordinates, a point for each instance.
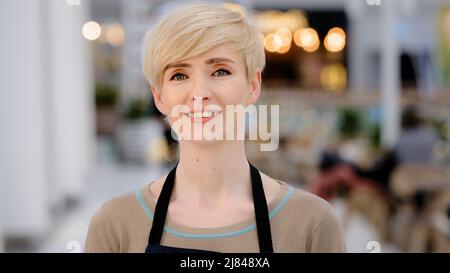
(333, 77)
(92, 30)
(115, 35)
(335, 40)
(307, 38)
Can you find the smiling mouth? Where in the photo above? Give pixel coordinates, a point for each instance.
(201, 116)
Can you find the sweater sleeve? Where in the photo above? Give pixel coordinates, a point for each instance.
(327, 235)
(100, 237)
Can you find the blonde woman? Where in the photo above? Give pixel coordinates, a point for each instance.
(214, 199)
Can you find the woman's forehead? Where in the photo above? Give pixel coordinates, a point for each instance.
(225, 49)
(223, 53)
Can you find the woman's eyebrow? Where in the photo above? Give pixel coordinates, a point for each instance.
(209, 61)
(218, 60)
(177, 65)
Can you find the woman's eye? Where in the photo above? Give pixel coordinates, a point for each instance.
(221, 72)
(178, 77)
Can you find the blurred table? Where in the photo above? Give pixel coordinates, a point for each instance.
(408, 179)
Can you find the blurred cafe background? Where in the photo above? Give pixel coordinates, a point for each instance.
(364, 94)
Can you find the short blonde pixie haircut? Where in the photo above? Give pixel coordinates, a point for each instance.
(195, 29)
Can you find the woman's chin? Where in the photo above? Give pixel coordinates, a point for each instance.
(203, 140)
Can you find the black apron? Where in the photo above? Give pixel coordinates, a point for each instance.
(159, 219)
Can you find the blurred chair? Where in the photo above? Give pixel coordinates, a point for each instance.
(369, 202)
(419, 190)
(408, 179)
(439, 219)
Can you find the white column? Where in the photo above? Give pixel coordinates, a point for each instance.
(46, 112)
(132, 83)
(357, 30)
(23, 164)
(390, 76)
(71, 101)
(2, 244)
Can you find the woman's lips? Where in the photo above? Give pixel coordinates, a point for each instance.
(201, 117)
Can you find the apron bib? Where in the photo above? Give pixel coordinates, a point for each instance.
(159, 219)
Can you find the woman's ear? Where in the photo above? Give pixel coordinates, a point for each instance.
(255, 88)
(157, 99)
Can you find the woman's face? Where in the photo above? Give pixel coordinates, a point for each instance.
(206, 84)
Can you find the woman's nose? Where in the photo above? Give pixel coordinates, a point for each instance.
(200, 90)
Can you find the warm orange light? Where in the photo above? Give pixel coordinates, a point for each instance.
(307, 38)
(335, 40)
(333, 77)
(270, 20)
(272, 42)
(285, 36)
(284, 49)
(313, 48)
(297, 37)
(115, 34)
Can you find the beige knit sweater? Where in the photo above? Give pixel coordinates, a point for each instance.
(300, 222)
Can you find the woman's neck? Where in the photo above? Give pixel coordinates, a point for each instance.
(213, 173)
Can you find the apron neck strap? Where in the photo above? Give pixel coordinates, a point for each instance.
(259, 203)
(261, 212)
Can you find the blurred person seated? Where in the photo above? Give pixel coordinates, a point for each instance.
(415, 144)
(341, 178)
(342, 182)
